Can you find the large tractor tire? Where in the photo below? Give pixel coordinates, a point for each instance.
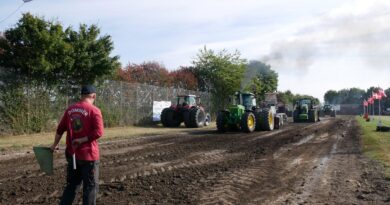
(258, 121)
(333, 113)
(163, 117)
(267, 120)
(277, 123)
(197, 117)
(248, 122)
(313, 115)
(207, 120)
(186, 118)
(171, 119)
(296, 116)
(221, 122)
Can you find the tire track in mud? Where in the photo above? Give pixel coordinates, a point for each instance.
(310, 164)
(223, 164)
(233, 186)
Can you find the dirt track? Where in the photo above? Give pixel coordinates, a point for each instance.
(301, 163)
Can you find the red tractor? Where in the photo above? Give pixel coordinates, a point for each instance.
(186, 110)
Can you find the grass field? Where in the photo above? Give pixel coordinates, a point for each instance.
(376, 145)
(26, 142)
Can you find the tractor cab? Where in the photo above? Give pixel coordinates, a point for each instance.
(186, 101)
(304, 102)
(328, 109)
(305, 111)
(246, 99)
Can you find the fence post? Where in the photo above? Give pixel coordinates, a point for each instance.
(136, 104)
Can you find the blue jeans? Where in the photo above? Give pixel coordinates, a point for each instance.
(86, 172)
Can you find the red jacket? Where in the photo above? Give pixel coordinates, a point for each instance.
(84, 119)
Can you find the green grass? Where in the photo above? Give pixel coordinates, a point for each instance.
(376, 145)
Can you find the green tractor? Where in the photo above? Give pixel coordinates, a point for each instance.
(305, 111)
(244, 114)
(328, 110)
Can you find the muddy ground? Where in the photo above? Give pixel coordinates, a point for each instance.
(301, 163)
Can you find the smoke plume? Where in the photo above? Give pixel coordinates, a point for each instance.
(360, 31)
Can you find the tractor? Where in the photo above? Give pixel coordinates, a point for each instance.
(244, 114)
(328, 110)
(186, 110)
(305, 111)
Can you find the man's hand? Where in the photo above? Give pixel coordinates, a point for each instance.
(78, 141)
(54, 147)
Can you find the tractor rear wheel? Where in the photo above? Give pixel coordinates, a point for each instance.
(267, 120)
(221, 122)
(186, 118)
(171, 119)
(197, 117)
(248, 122)
(163, 117)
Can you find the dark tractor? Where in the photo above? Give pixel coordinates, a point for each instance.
(244, 114)
(186, 110)
(328, 110)
(305, 111)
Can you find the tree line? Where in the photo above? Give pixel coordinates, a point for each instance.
(354, 96)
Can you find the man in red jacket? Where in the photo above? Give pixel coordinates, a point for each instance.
(83, 124)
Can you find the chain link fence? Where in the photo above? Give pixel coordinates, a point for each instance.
(121, 104)
(132, 104)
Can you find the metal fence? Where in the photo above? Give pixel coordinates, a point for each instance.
(36, 110)
(132, 104)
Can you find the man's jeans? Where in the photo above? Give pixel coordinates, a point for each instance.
(86, 172)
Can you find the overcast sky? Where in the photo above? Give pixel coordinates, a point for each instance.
(314, 45)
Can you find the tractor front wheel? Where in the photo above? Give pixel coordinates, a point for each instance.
(277, 123)
(197, 117)
(313, 115)
(267, 120)
(248, 122)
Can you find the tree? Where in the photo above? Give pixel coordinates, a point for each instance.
(260, 79)
(386, 101)
(344, 96)
(90, 55)
(219, 73)
(152, 73)
(331, 97)
(34, 52)
(285, 97)
(38, 57)
(37, 51)
(184, 78)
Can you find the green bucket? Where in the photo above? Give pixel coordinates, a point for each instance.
(44, 157)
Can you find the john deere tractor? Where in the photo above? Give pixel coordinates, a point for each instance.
(244, 114)
(186, 110)
(305, 111)
(328, 110)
